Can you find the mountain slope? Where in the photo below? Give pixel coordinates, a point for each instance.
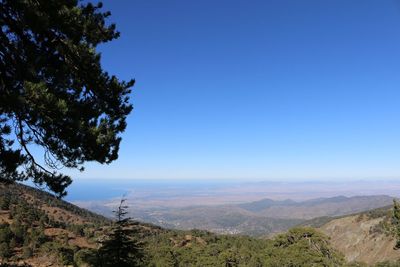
(58, 209)
(309, 209)
(364, 237)
(260, 218)
(38, 230)
(219, 219)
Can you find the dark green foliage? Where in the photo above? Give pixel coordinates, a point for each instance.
(5, 233)
(77, 229)
(4, 202)
(27, 252)
(158, 247)
(14, 190)
(229, 258)
(299, 247)
(86, 256)
(303, 247)
(22, 232)
(119, 248)
(54, 92)
(66, 255)
(26, 232)
(165, 257)
(63, 251)
(396, 222)
(378, 213)
(5, 250)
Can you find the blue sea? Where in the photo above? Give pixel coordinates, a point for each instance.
(101, 189)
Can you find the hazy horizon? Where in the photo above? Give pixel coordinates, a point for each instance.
(200, 133)
(271, 89)
(149, 192)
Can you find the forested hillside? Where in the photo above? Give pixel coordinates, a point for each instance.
(37, 229)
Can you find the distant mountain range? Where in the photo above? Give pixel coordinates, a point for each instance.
(333, 206)
(57, 233)
(258, 218)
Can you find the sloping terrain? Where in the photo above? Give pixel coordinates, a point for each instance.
(265, 217)
(365, 237)
(222, 220)
(37, 229)
(333, 206)
(59, 210)
(40, 230)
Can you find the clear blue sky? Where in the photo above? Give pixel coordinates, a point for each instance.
(257, 89)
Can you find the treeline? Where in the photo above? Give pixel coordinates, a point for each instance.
(23, 225)
(23, 237)
(41, 197)
(29, 231)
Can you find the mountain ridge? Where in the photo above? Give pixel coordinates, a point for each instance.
(39, 230)
(264, 217)
(366, 236)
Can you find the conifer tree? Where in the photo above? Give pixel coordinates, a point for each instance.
(54, 93)
(120, 249)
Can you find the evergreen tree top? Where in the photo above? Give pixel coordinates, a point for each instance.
(54, 92)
